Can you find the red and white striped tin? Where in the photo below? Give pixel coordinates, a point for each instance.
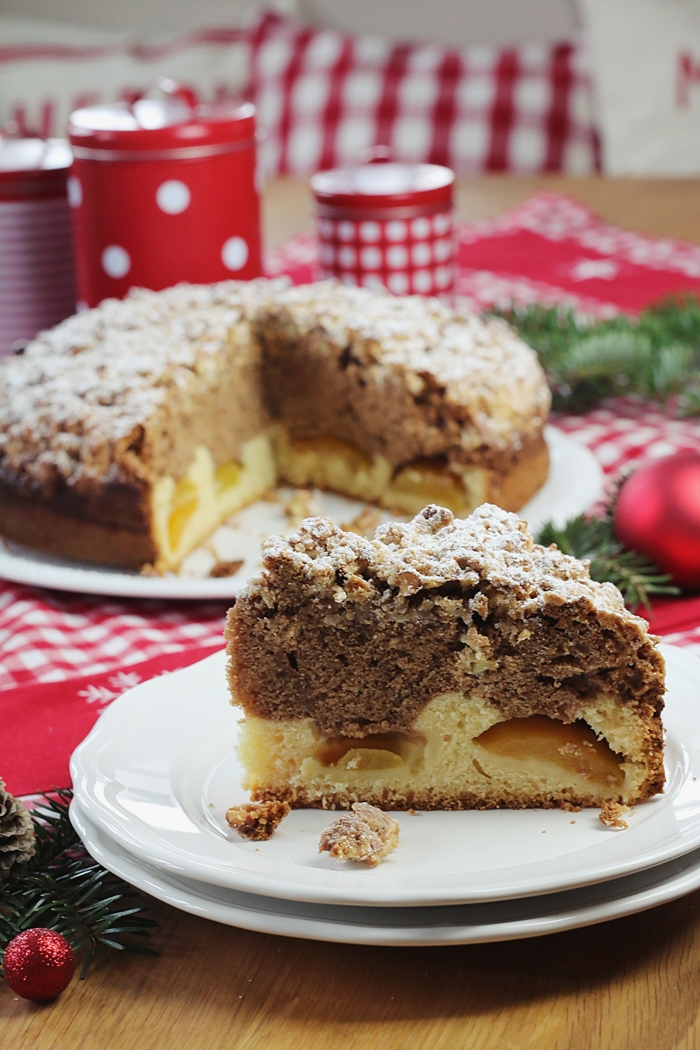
(387, 225)
(37, 285)
(163, 190)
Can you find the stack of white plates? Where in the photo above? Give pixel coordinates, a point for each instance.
(156, 775)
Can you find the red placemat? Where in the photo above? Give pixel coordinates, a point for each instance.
(549, 249)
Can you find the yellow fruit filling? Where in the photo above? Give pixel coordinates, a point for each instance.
(378, 751)
(330, 463)
(459, 747)
(430, 481)
(186, 511)
(573, 746)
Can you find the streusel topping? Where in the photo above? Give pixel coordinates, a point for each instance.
(490, 550)
(82, 387)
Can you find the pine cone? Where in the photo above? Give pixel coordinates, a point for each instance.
(16, 832)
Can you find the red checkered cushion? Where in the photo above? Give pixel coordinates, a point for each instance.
(323, 98)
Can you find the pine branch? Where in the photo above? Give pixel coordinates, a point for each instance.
(656, 355)
(594, 540)
(64, 889)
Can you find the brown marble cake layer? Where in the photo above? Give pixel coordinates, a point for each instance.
(402, 377)
(360, 636)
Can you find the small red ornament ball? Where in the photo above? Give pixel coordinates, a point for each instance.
(658, 514)
(38, 964)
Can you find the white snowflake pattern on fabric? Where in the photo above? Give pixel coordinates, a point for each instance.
(98, 694)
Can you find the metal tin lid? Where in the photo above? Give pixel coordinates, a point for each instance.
(33, 168)
(383, 186)
(154, 128)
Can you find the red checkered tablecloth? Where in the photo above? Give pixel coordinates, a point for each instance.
(550, 248)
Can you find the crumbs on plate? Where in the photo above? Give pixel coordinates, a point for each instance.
(611, 815)
(365, 523)
(366, 835)
(225, 568)
(303, 503)
(257, 820)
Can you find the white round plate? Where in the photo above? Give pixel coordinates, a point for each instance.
(159, 771)
(451, 924)
(574, 484)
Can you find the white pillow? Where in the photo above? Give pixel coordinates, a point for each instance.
(646, 67)
(47, 70)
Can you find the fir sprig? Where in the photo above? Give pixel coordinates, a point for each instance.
(655, 356)
(64, 889)
(593, 539)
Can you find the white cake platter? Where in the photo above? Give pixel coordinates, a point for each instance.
(159, 770)
(574, 484)
(451, 924)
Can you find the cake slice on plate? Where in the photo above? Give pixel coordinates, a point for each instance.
(446, 664)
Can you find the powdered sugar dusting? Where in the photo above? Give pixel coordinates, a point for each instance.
(81, 389)
(490, 551)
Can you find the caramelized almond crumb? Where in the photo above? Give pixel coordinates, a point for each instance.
(257, 820)
(611, 815)
(226, 568)
(365, 835)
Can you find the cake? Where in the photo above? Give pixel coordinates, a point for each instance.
(128, 432)
(445, 664)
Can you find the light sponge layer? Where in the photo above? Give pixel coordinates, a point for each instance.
(449, 760)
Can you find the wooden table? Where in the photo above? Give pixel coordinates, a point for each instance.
(662, 207)
(632, 984)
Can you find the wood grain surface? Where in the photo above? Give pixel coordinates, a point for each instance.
(632, 984)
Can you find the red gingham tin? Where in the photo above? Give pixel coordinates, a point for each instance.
(163, 191)
(387, 225)
(37, 287)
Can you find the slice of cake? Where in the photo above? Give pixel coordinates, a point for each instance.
(129, 432)
(445, 664)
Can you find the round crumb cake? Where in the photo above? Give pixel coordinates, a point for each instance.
(130, 431)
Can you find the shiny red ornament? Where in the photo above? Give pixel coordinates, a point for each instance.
(658, 514)
(38, 964)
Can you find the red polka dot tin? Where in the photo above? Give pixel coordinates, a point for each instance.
(163, 191)
(387, 225)
(37, 283)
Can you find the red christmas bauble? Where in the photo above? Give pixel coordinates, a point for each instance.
(38, 964)
(658, 514)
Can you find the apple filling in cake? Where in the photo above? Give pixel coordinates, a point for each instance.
(458, 749)
(331, 463)
(187, 511)
(445, 664)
